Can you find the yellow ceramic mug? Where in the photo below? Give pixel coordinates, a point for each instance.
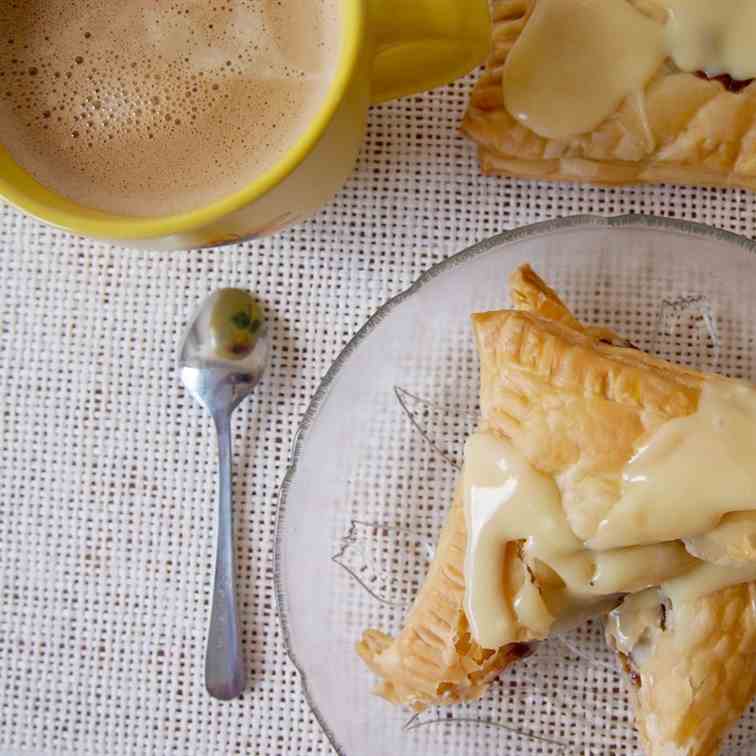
(389, 48)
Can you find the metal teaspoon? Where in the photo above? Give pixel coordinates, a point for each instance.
(222, 357)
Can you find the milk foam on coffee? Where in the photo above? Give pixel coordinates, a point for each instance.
(148, 107)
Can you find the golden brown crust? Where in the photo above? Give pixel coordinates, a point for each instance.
(529, 292)
(681, 128)
(558, 358)
(434, 659)
(576, 407)
(697, 675)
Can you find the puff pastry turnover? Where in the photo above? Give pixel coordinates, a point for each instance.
(676, 126)
(572, 397)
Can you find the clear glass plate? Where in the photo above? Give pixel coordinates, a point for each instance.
(375, 461)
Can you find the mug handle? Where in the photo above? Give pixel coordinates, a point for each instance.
(421, 44)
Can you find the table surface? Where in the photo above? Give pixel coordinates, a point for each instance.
(107, 470)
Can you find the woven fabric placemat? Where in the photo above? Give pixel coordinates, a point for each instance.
(107, 467)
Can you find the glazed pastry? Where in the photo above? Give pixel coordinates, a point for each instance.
(690, 666)
(619, 94)
(690, 669)
(434, 659)
(575, 403)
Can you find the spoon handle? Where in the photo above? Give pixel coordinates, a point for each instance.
(225, 672)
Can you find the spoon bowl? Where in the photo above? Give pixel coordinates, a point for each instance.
(225, 350)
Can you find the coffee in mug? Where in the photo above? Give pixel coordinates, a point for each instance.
(154, 107)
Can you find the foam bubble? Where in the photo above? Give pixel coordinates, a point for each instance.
(203, 98)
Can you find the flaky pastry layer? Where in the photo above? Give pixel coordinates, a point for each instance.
(695, 672)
